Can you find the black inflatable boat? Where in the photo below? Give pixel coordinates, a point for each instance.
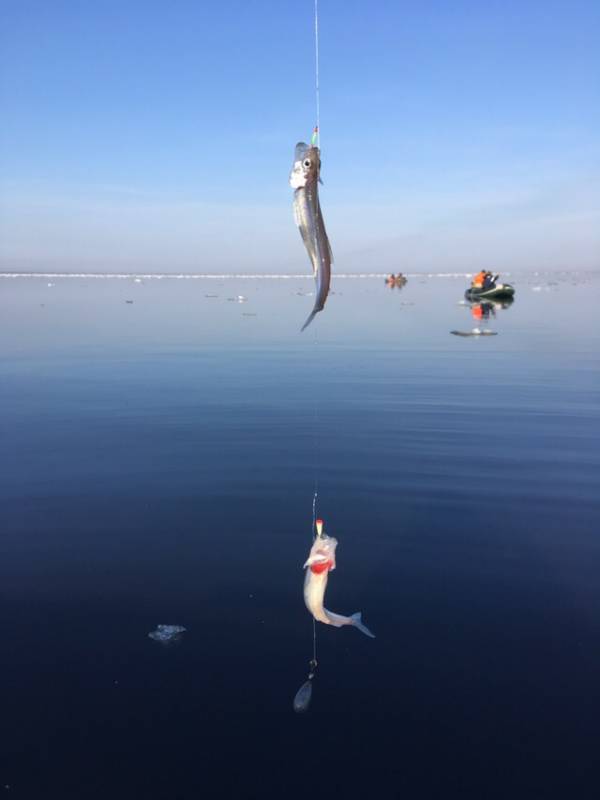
(498, 291)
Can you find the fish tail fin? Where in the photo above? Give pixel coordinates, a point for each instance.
(358, 623)
(310, 319)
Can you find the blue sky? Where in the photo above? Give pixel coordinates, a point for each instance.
(159, 136)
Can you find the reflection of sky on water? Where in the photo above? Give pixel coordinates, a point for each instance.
(158, 464)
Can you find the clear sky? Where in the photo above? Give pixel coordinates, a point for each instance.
(159, 136)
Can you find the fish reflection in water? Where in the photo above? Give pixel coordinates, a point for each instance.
(320, 562)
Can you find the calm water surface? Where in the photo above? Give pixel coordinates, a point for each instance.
(157, 465)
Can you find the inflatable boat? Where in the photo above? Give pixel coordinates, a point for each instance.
(499, 291)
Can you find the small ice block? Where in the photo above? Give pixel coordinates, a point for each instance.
(167, 633)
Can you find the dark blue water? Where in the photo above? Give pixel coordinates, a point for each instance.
(157, 465)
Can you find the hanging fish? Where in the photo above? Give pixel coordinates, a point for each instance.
(320, 562)
(305, 179)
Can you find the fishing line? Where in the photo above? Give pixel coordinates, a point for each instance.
(317, 132)
(313, 528)
(304, 694)
(316, 140)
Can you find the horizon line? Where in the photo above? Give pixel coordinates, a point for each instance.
(269, 275)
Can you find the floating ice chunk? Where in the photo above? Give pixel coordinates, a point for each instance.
(167, 633)
(474, 332)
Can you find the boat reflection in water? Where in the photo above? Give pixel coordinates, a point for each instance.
(486, 309)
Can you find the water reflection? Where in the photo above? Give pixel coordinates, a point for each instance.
(486, 309)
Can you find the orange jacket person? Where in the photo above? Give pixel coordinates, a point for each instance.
(479, 279)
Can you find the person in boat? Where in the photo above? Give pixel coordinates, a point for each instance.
(478, 280)
(488, 280)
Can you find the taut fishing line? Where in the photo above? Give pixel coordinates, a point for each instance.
(318, 101)
(304, 694)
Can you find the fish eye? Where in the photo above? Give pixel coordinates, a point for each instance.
(307, 162)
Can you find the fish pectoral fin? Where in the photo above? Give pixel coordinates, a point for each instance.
(297, 218)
